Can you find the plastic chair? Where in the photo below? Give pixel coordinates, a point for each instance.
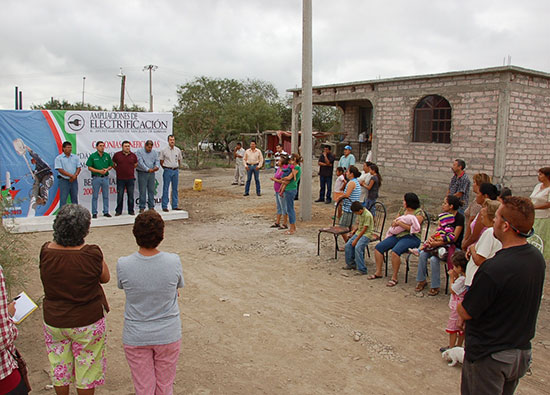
(334, 230)
(536, 241)
(379, 222)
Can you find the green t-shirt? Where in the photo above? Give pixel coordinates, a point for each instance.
(99, 162)
(417, 212)
(365, 219)
(293, 184)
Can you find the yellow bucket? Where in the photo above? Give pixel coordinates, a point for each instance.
(197, 185)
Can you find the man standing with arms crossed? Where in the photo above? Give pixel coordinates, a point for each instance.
(170, 160)
(68, 167)
(326, 167)
(253, 160)
(124, 163)
(500, 309)
(238, 154)
(460, 183)
(148, 165)
(99, 163)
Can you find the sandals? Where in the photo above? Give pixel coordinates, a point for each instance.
(373, 277)
(392, 283)
(283, 226)
(420, 286)
(275, 225)
(433, 292)
(290, 232)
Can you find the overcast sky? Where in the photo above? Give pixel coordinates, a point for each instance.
(48, 47)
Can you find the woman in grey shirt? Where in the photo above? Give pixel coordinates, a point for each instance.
(152, 326)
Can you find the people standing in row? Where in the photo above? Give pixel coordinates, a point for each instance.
(460, 183)
(68, 167)
(326, 167)
(347, 159)
(125, 163)
(170, 160)
(148, 164)
(253, 160)
(238, 154)
(99, 163)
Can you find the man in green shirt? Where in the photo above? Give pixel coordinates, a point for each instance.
(99, 163)
(355, 246)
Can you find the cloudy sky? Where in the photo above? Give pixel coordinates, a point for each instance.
(48, 47)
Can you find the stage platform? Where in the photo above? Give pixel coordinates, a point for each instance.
(44, 224)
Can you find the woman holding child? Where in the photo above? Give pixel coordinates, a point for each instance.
(452, 238)
(291, 190)
(281, 206)
(401, 242)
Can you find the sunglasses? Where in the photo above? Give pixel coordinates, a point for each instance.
(526, 235)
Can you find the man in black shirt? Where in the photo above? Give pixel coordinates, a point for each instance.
(501, 307)
(326, 166)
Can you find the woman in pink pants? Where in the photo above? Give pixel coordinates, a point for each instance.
(152, 327)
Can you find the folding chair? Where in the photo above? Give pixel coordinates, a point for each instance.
(334, 230)
(426, 226)
(379, 222)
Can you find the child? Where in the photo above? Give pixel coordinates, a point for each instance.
(339, 186)
(287, 169)
(409, 219)
(444, 232)
(458, 290)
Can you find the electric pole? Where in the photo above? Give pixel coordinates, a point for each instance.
(83, 88)
(151, 68)
(122, 89)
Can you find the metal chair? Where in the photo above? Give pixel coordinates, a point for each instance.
(334, 230)
(379, 222)
(426, 225)
(536, 241)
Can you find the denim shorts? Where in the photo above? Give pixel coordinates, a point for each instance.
(398, 245)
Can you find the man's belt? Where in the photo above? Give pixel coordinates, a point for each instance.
(100, 175)
(171, 168)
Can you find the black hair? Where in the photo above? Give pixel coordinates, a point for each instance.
(168, 138)
(489, 189)
(126, 142)
(459, 259)
(252, 141)
(454, 201)
(355, 171)
(99, 142)
(461, 163)
(375, 168)
(505, 191)
(67, 144)
(411, 200)
(356, 206)
(340, 169)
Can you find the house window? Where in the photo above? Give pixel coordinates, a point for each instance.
(432, 120)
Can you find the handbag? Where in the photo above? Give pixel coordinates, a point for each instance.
(22, 367)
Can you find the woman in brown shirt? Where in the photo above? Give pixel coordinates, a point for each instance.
(74, 324)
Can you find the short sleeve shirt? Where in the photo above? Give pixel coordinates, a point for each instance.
(68, 163)
(461, 184)
(365, 219)
(346, 161)
(418, 212)
(487, 246)
(293, 184)
(99, 162)
(125, 165)
(326, 171)
(170, 157)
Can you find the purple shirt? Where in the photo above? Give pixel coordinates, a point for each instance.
(278, 175)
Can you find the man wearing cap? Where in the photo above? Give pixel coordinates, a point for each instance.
(170, 160)
(148, 165)
(500, 309)
(347, 159)
(99, 163)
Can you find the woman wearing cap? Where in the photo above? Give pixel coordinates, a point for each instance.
(347, 159)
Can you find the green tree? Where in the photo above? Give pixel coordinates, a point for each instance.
(55, 104)
(326, 118)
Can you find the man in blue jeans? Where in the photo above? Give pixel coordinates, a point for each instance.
(170, 160)
(148, 165)
(68, 167)
(99, 163)
(326, 167)
(362, 232)
(253, 160)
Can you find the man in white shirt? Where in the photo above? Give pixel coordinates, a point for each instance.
(253, 160)
(238, 154)
(277, 155)
(170, 161)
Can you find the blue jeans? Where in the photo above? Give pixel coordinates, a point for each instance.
(355, 256)
(170, 176)
(369, 205)
(326, 183)
(435, 267)
(281, 205)
(67, 188)
(252, 169)
(103, 183)
(146, 186)
(289, 202)
(121, 185)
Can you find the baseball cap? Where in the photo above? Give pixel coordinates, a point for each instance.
(348, 147)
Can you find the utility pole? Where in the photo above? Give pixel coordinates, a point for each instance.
(83, 88)
(122, 89)
(307, 109)
(17, 98)
(151, 68)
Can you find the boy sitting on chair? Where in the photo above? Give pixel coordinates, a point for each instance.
(355, 246)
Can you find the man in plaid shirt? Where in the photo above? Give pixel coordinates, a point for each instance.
(460, 184)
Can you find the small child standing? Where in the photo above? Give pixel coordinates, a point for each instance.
(339, 186)
(458, 290)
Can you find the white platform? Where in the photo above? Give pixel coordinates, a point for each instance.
(44, 224)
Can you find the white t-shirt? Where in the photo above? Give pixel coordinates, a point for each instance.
(340, 184)
(541, 196)
(364, 177)
(487, 246)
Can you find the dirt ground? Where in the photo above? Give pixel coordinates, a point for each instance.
(263, 314)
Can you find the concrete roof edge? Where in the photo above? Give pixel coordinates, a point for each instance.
(495, 70)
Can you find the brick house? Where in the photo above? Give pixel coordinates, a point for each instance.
(496, 119)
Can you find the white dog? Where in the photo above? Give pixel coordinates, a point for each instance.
(453, 355)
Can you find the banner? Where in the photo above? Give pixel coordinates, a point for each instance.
(31, 140)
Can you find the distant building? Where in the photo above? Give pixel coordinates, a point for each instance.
(496, 119)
